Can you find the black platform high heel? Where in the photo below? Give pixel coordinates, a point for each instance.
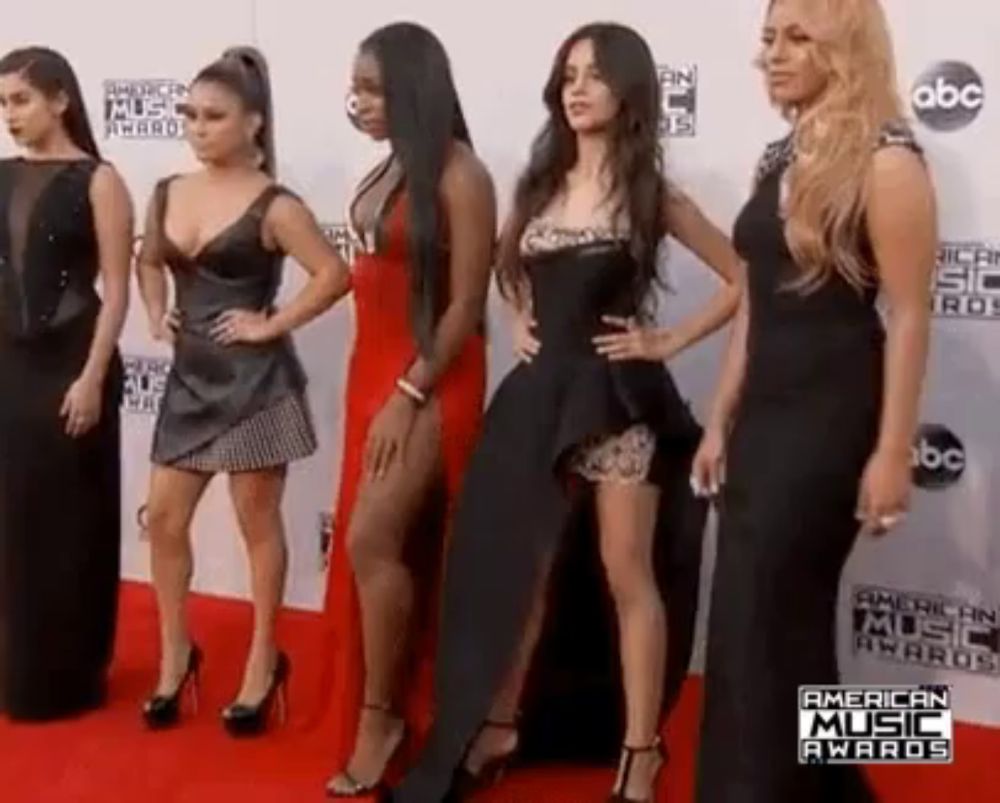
(164, 710)
(241, 719)
(343, 784)
(628, 760)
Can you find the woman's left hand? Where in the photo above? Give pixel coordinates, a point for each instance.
(81, 406)
(241, 326)
(388, 435)
(634, 342)
(885, 491)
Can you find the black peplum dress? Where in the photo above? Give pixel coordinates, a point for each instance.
(519, 505)
(806, 425)
(59, 496)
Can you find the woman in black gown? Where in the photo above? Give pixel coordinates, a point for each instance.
(65, 220)
(590, 415)
(816, 408)
(235, 398)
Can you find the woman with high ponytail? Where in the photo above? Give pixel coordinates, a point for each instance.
(235, 398)
(65, 225)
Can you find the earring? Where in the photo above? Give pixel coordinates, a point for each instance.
(351, 107)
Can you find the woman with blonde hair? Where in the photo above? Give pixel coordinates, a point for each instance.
(843, 212)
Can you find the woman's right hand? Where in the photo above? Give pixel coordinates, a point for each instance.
(708, 469)
(165, 329)
(526, 345)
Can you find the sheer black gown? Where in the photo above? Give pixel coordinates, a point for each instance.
(59, 496)
(519, 506)
(806, 425)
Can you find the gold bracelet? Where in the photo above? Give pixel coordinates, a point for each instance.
(411, 390)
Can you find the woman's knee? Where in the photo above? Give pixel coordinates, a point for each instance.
(166, 526)
(630, 575)
(370, 549)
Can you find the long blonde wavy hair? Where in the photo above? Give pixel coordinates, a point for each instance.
(834, 138)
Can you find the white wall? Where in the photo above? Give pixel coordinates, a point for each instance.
(501, 54)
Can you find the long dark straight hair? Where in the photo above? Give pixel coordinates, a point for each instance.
(638, 188)
(50, 73)
(424, 116)
(243, 71)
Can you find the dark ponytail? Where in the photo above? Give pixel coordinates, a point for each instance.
(243, 70)
(50, 73)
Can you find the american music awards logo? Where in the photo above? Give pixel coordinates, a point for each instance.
(679, 85)
(340, 237)
(145, 380)
(143, 109)
(928, 630)
(967, 282)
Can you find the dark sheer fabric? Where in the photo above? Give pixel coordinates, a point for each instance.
(47, 246)
(59, 496)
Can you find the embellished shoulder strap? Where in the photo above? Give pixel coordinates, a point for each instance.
(899, 134)
(777, 156)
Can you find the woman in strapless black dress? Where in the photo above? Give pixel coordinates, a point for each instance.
(590, 422)
(65, 221)
(816, 408)
(235, 398)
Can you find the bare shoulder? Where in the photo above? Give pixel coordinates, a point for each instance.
(287, 208)
(107, 179)
(108, 187)
(465, 175)
(899, 186)
(896, 167)
(897, 159)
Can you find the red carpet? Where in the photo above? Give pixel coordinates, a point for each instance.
(108, 757)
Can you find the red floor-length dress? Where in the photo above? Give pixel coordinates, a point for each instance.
(384, 348)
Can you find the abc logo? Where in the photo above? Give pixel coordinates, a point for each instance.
(938, 457)
(948, 96)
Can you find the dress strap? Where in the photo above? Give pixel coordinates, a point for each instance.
(258, 209)
(777, 156)
(897, 133)
(153, 248)
(160, 192)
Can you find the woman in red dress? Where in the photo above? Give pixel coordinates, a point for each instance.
(425, 222)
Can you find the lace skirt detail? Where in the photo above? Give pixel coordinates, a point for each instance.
(625, 457)
(274, 436)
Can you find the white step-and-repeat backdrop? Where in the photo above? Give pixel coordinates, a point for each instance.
(922, 605)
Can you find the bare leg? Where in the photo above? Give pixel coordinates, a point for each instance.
(173, 496)
(256, 497)
(384, 511)
(627, 518)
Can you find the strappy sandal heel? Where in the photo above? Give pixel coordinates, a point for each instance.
(627, 762)
(344, 784)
